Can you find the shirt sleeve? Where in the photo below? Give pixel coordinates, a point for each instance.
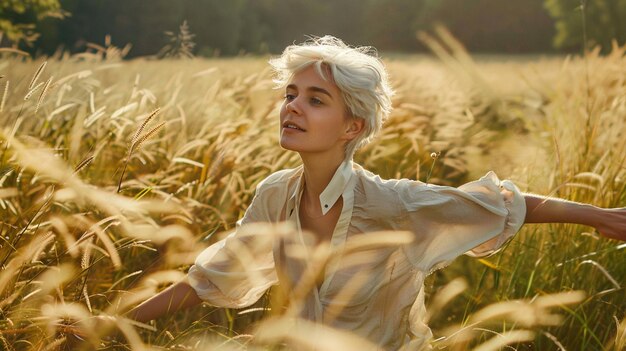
(476, 218)
(236, 271)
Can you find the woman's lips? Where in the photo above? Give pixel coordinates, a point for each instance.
(292, 127)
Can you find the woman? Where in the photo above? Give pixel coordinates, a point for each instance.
(336, 99)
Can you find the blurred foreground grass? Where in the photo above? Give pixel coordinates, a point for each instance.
(73, 247)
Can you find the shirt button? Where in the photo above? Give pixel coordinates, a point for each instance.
(325, 206)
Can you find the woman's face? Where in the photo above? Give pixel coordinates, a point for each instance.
(313, 115)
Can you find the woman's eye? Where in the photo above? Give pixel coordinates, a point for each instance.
(316, 101)
(289, 97)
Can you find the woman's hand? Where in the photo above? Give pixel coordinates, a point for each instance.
(611, 223)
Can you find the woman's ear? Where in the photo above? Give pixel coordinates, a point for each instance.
(354, 127)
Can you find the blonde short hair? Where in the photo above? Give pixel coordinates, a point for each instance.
(358, 73)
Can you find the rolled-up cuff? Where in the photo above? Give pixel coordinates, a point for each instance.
(515, 205)
(219, 278)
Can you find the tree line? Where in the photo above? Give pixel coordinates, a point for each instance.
(231, 27)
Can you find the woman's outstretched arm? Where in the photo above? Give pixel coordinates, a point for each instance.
(176, 297)
(609, 222)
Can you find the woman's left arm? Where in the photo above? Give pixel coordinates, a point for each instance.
(609, 222)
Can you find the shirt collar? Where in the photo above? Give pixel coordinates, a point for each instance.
(336, 186)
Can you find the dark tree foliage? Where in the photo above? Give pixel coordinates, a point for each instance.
(260, 26)
(18, 19)
(141, 23)
(605, 21)
(496, 25)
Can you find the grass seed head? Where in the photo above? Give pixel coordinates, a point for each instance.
(37, 74)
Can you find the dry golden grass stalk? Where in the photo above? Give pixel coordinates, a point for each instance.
(78, 75)
(9, 300)
(143, 125)
(54, 313)
(160, 235)
(108, 245)
(619, 342)
(54, 277)
(130, 275)
(41, 160)
(43, 93)
(55, 344)
(15, 51)
(603, 270)
(4, 341)
(8, 192)
(306, 335)
(86, 258)
(83, 164)
(17, 260)
(136, 142)
(48, 239)
(46, 164)
(33, 90)
(524, 313)
(37, 74)
(444, 296)
(96, 47)
(152, 132)
(501, 340)
(60, 227)
(527, 313)
(87, 299)
(124, 109)
(554, 340)
(4, 96)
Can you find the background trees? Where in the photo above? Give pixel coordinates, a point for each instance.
(605, 21)
(259, 26)
(18, 18)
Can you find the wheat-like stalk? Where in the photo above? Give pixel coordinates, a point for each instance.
(86, 258)
(96, 47)
(48, 238)
(87, 300)
(54, 345)
(32, 91)
(148, 135)
(4, 95)
(43, 93)
(15, 51)
(37, 74)
(136, 143)
(143, 125)
(83, 164)
(6, 344)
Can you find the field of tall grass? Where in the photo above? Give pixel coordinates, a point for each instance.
(114, 175)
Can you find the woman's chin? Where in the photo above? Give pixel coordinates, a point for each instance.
(291, 146)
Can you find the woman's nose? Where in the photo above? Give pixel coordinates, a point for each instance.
(292, 106)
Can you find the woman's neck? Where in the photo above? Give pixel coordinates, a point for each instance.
(318, 171)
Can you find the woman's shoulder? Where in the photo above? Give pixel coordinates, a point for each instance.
(279, 179)
(373, 182)
(388, 195)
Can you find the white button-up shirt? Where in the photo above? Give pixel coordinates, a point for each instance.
(375, 287)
